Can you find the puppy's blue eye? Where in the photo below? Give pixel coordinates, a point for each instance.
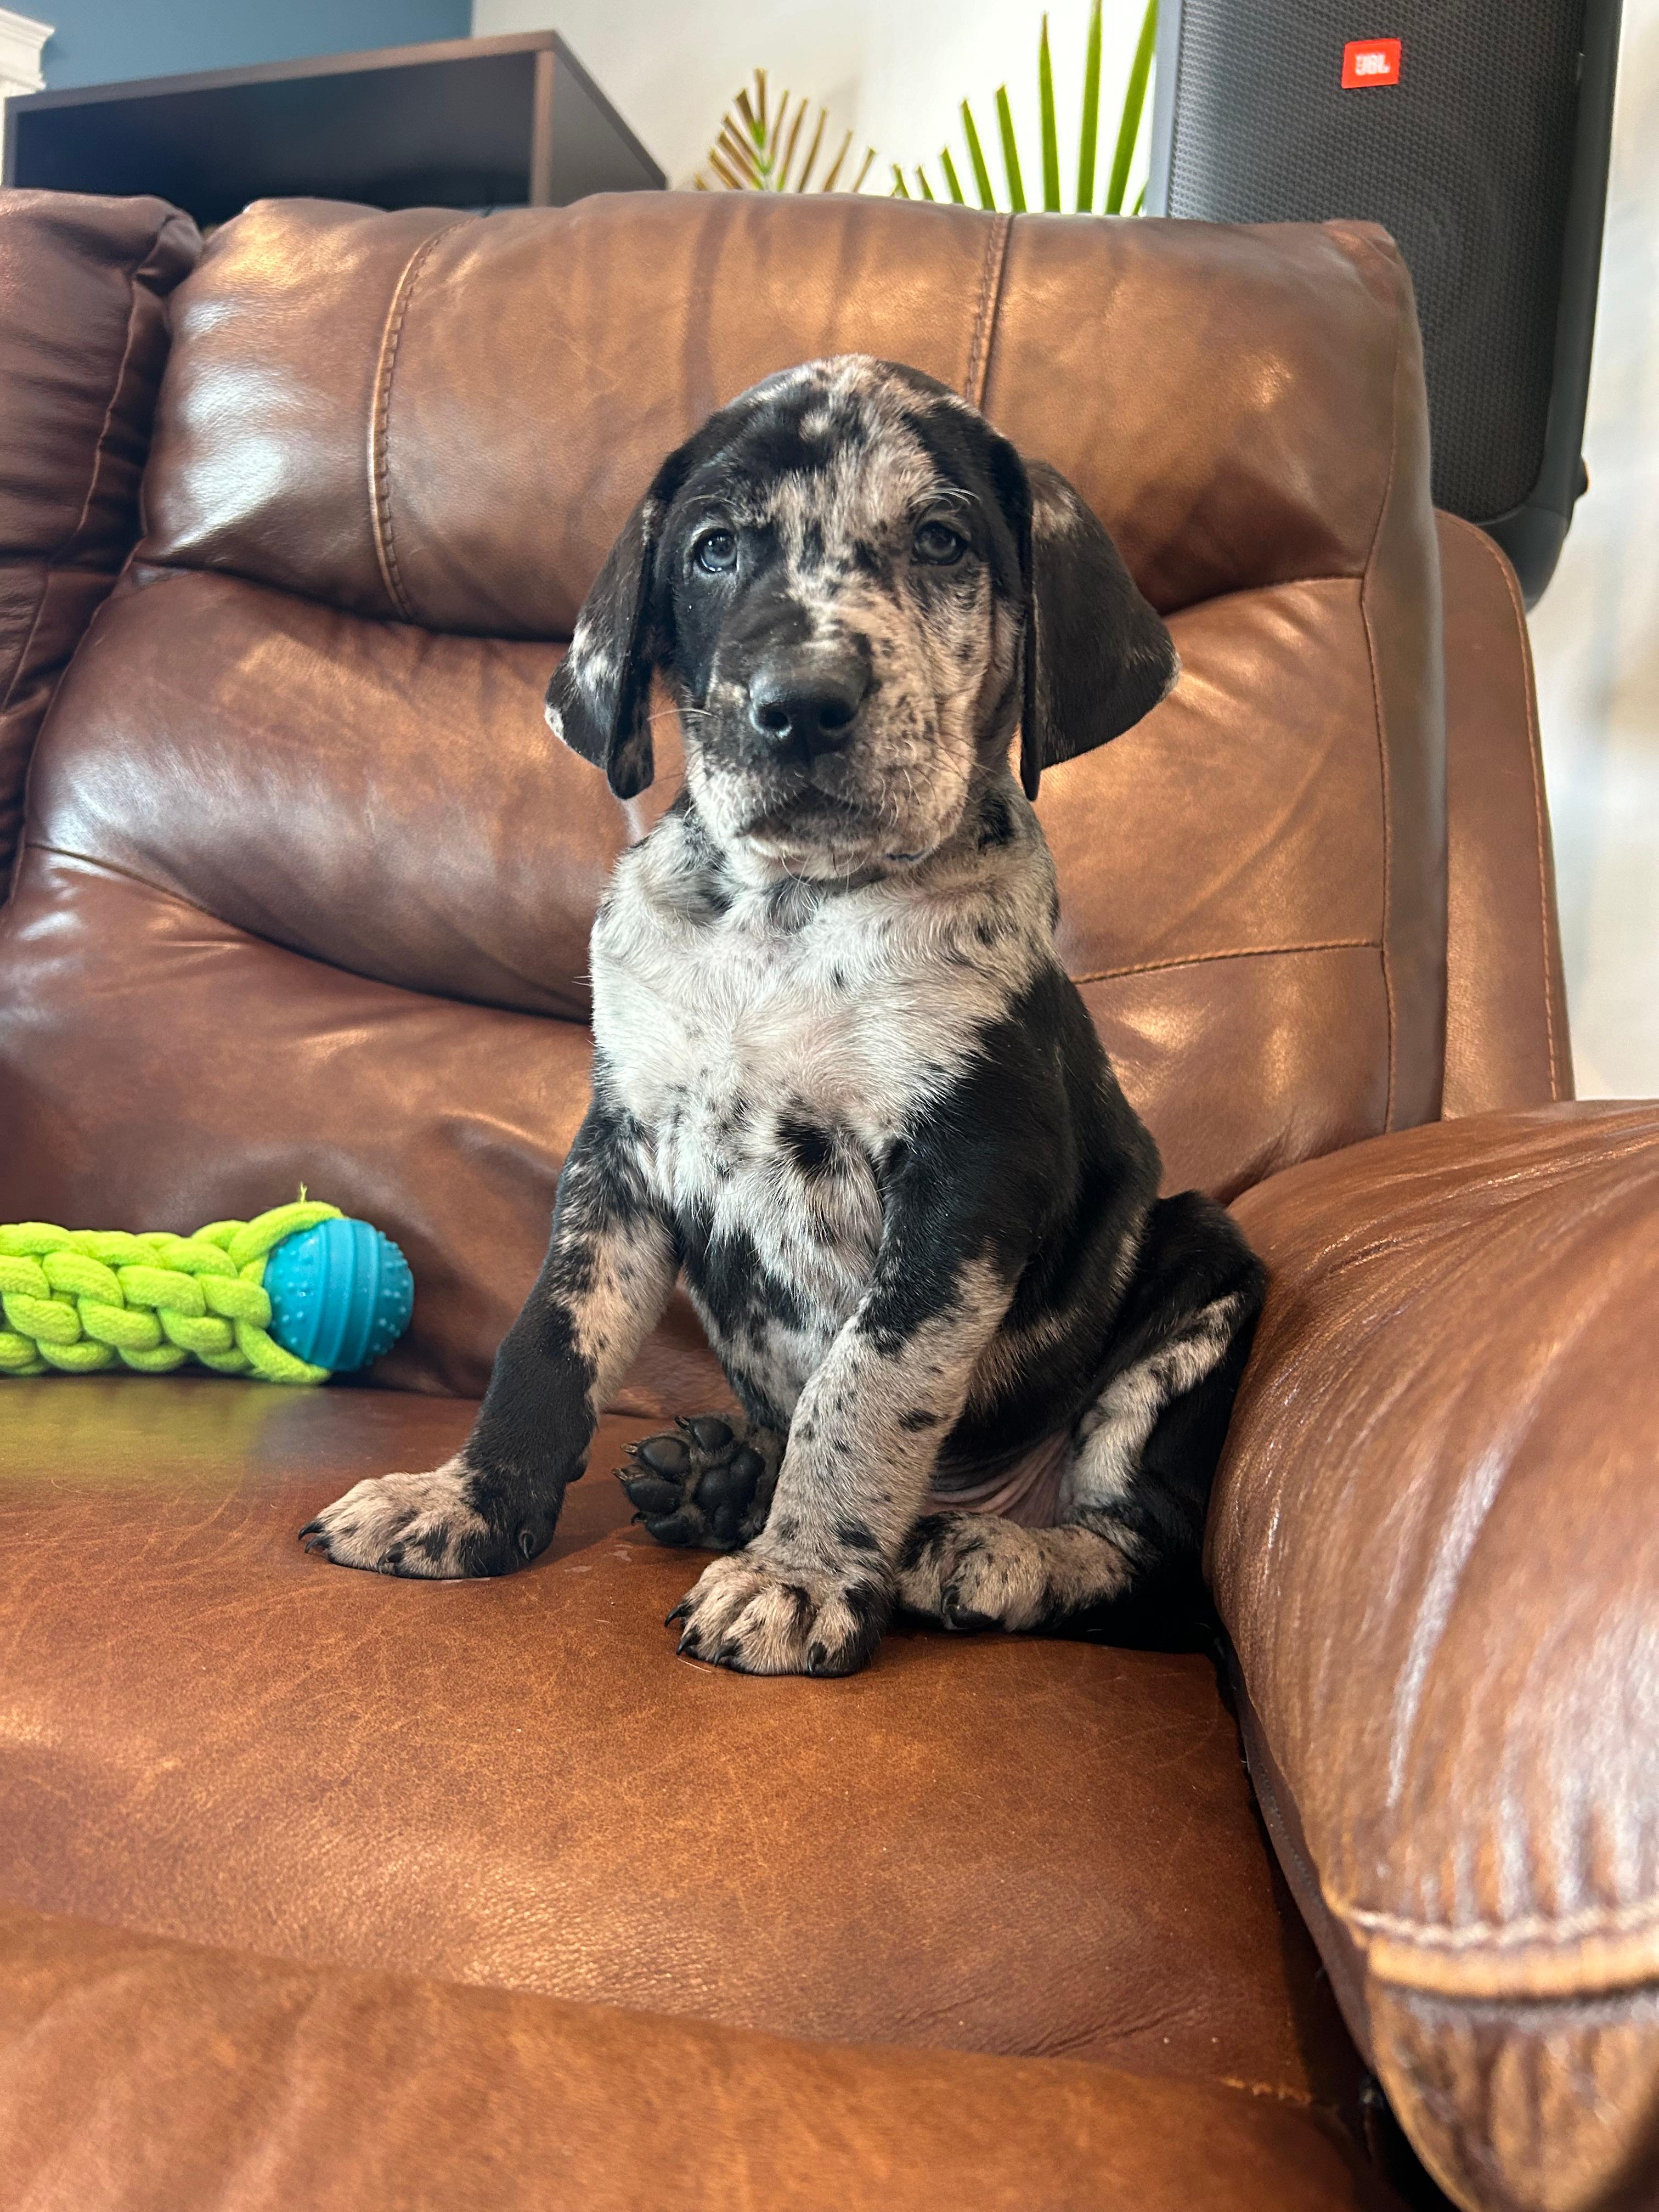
(716, 551)
(936, 542)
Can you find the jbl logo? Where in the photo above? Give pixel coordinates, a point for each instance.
(1370, 61)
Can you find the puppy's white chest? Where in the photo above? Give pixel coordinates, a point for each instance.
(722, 1029)
(766, 1092)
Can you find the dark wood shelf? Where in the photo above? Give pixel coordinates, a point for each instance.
(461, 123)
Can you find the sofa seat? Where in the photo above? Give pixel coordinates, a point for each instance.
(255, 2087)
(999, 1845)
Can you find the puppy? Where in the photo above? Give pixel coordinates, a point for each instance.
(842, 1083)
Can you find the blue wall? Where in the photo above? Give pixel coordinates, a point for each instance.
(102, 41)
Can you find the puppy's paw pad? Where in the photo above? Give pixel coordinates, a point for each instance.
(702, 1483)
(420, 1525)
(761, 1619)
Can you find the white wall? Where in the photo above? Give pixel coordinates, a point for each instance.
(1595, 632)
(893, 70)
(896, 69)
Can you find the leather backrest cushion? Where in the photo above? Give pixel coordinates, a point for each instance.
(83, 286)
(447, 418)
(306, 866)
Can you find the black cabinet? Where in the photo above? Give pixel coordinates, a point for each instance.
(463, 123)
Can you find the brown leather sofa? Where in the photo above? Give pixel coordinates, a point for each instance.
(324, 1890)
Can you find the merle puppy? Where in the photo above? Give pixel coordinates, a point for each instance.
(840, 1081)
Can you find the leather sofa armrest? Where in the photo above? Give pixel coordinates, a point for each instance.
(1507, 1042)
(138, 2075)
(83, 334)
(1435, 1547)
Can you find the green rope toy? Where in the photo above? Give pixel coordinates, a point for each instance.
(294, 1296)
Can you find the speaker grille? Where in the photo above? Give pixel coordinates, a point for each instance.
(1467, 160)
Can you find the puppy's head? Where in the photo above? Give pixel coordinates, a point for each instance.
(854, 589)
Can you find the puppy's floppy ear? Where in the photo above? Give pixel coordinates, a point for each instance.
(1096, 656)
(599, 699)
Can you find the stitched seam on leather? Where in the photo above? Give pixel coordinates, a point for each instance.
(1534, 762)
(1435, 1940)
(380, 420)
(10, 692)
(1538, 1928)
(49, 569)
(985, 315)
(50, 564)
(1376, 689)
(1234, 952)
(115, 391)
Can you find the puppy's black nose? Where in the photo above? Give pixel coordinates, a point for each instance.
(808, 706)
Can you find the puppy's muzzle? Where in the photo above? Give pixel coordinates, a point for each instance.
(803, 705)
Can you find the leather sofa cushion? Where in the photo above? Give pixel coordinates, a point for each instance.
(1009, 1845)
(1435, 1546)
(147, 2076)
(83, 288)
(446, 419)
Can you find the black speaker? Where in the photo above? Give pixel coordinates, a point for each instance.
(1477, 131)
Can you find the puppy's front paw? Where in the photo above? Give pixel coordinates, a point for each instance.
(759, 1619)
(429, 1525)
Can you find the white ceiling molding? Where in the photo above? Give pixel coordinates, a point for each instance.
(20, 41)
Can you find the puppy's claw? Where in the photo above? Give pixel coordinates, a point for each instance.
(680, 1613)
(961, 1620)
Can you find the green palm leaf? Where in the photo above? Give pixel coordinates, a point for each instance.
(1089, 133)
(987, 199)
(1009, 152)
(755, 149)
(1050, 134)
(1134, 99)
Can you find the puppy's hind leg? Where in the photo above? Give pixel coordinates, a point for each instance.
(707, 1482)
(1122, 1561)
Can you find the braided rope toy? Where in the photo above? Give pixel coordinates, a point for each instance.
(295, 1295)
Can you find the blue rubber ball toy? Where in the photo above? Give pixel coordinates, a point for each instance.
(341, 1294)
